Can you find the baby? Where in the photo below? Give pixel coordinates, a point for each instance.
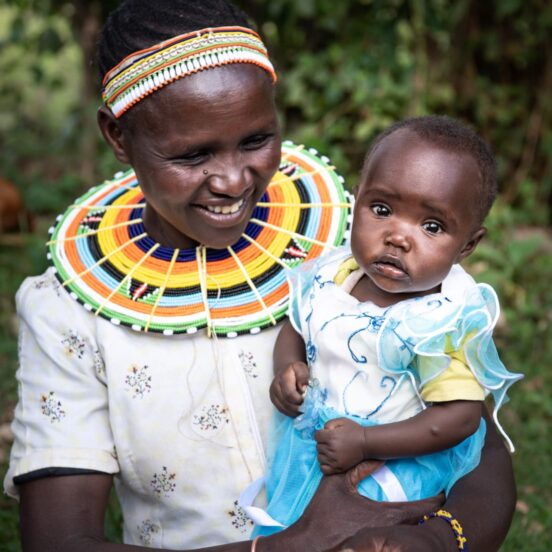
(388, 352)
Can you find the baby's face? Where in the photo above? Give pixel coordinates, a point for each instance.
(415, 216)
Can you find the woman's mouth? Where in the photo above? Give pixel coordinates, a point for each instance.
(225, 209)
(224, 215)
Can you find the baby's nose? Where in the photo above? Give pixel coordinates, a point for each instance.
(398, 238)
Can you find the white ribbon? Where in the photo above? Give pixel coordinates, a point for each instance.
(389, 484)
(258, 515)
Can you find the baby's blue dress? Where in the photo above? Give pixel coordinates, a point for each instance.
(369, 364)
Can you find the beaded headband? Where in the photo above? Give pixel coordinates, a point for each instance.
(143, 72)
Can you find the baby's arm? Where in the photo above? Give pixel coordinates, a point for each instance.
(291, 373)
(344, 443)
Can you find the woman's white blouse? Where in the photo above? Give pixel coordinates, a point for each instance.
(180, 420)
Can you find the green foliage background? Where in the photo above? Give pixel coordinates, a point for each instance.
(347, 69)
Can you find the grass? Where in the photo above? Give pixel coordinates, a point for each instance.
(517, 262)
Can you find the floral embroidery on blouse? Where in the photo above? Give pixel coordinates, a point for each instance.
(99, 364)
(163, 483)
(146, 530)
(248, 364)
(211, 418)
(139, 381)
(239, 518)
(51, 407)
(74, 344)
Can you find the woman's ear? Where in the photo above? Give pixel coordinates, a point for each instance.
(470, 246)
(112, 132)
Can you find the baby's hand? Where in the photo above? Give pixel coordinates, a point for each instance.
(288, 387)
(340, 445)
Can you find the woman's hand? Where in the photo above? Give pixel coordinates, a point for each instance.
(398, 538)
(288, 387)
(337, 513)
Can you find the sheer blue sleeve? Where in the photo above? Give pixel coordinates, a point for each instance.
(435, 325)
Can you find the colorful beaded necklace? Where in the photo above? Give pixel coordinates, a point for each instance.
(103, 255)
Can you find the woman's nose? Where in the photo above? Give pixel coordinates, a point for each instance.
(398, 238)
(230, 178)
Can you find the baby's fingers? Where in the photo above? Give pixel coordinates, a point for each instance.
(328, 434)
(301, 371)
(323, 437)
(328, 469)
(328, 464)
(289, 388)
(335, 423)
(277, 396)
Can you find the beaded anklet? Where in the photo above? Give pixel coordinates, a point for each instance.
(457, 529)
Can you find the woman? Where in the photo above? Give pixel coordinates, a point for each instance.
(130, 383)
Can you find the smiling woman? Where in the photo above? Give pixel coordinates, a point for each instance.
(223, 122)
(192, 243)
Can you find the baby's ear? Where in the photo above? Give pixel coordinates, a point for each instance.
(470, 246)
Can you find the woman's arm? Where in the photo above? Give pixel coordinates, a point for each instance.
(483, 502)
(343, 443)
(66, 514)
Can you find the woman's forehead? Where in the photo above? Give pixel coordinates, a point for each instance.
(237, 95)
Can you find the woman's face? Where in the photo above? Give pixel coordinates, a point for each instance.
(204, 149)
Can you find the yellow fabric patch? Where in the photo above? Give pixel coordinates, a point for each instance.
(345, 268)
(457, 382)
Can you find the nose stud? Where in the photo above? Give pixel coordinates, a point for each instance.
(205, 171)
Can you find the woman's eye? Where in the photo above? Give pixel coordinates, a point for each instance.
(192, 158)
(432, 227)
(381, 210)
(256, 142)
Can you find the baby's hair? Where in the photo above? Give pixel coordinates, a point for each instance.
(452, 135)
(139, 24)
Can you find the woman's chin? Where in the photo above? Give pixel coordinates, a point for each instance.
(222, 230)
(223, 239)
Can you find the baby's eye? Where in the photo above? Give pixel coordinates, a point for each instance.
(432, 227)
(380, 210)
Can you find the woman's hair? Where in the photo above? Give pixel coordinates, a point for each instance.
(452, 135)
(139, 24)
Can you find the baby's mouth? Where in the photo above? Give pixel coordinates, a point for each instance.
(391, 266)
(225, 209)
